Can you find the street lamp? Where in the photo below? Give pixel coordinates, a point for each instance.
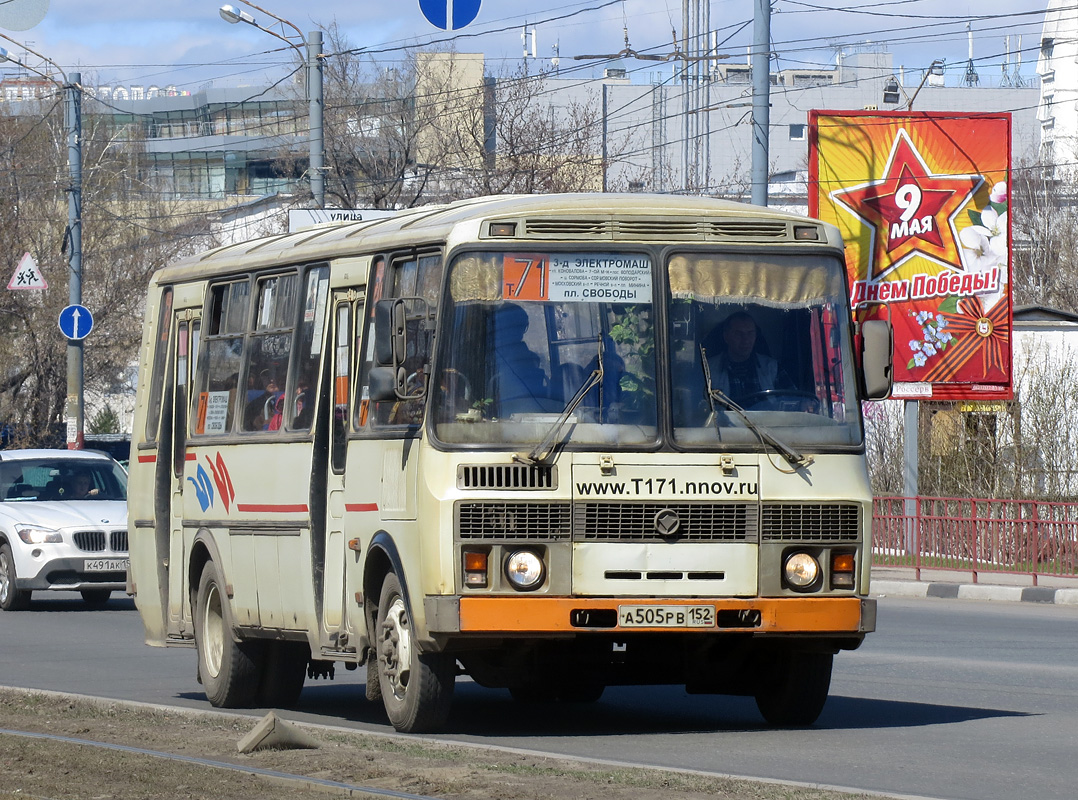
(891, 91)
(936, 68)
(74, 409)
(313, 59)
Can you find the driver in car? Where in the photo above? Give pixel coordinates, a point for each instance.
(739, 370)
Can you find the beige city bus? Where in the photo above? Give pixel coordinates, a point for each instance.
(552, 443)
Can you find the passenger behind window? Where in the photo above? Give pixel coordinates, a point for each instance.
(739, 369)
(519, 383)
(261, 403)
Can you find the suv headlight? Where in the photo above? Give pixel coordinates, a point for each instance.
(35, 534)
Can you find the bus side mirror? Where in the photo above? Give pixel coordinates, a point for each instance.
(877, 354)
(390, 337)
(383, 383)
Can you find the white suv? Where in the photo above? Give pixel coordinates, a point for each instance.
(63, 525)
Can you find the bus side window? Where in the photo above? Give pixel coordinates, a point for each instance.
(341, 385)
(308, 353)
(268, 349)
(410, 277)
(220, 357)
(160, 351)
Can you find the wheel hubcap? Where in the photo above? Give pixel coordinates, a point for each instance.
(396, 650)
(213, 631)
(5, 579)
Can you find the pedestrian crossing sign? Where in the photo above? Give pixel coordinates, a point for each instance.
(27, 275)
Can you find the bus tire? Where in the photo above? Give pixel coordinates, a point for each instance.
(12, 598)
(230, 670)
(283, 674)
(373, 689)
(95, 598)
(581, 692)
(417, 688)
(793, 688)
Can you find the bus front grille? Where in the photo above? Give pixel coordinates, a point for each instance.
(533, 521)
(799, 522)
(655, 522)
(506, 476)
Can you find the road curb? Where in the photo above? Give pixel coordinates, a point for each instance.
(1045, 595)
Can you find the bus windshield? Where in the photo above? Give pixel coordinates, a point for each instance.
(754, 340)
(526, 332)
(760, 340)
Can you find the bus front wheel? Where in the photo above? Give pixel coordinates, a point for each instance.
(230, 670)
(793, 688)
(416, 687)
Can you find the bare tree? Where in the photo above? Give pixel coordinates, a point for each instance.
(127, 233)
(1044, 227)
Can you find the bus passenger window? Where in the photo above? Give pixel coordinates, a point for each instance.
(160, 348)
(214, 399)
(408, 278)
(309, 350)
(269, 348)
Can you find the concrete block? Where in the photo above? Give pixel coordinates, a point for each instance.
(274, 733)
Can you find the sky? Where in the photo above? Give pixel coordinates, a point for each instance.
(185, 43)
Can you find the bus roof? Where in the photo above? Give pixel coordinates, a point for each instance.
(582, 216)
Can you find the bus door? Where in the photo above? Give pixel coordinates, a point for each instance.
(185, 342)
(339, 554)
(381, 469)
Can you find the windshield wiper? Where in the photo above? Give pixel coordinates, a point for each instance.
(795, 457)
(546, 446)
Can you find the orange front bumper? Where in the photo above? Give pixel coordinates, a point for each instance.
(811, 615)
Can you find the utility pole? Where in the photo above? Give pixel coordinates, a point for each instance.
(761, 99)
(75, 410)
(315, 89)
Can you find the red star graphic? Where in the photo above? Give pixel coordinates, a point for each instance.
(909, 209)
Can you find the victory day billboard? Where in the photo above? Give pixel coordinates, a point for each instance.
(921, 200)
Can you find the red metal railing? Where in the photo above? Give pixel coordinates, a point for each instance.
(1022, 537)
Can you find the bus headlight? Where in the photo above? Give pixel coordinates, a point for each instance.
(801, 570)
(524, 569)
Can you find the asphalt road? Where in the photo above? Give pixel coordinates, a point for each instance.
(949, 699)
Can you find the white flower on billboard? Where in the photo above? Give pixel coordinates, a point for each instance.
(983, 245)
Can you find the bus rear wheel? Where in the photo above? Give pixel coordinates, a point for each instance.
(793, 688)
(230, 670)
(416, 687)
(283, 674)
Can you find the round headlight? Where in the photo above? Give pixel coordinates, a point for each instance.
(802, 570)
(524, 569)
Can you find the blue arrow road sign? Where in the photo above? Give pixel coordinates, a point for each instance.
(449, 15)
(76, 322)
